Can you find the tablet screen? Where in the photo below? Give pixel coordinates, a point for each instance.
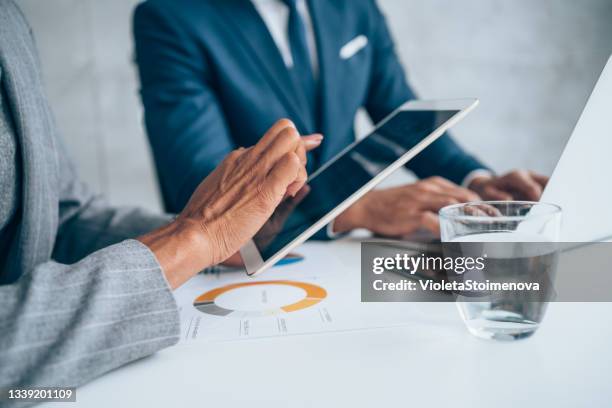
(344, 175)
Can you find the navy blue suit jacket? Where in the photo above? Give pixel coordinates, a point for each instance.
(212, 79)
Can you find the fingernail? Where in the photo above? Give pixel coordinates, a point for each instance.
(309, 138)
(313, 142)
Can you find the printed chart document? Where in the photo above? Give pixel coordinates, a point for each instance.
(318, 294)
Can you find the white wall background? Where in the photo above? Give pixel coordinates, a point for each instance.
(532, 64)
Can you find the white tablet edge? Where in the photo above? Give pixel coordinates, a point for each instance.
(251, 256)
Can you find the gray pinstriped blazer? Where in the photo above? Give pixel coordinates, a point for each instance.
(89, 299)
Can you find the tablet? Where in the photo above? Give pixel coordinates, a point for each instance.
(351, 174)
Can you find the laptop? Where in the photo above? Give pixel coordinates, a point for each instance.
(582, 180)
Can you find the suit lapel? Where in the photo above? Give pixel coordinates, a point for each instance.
(34, 131)
(247, 21)
(324, 17)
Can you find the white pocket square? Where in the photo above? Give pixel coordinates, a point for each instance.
(353, 47)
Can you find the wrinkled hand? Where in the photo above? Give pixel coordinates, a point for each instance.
(236, 199)
(275, 223)
(516, 185)
(233, 203)
(403, 210)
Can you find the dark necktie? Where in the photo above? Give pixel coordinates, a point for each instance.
(302, 66)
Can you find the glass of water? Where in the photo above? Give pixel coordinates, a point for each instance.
(518, 245)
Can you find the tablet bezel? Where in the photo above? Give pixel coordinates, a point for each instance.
(251, 256)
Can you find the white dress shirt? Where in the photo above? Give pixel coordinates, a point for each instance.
(275, 15)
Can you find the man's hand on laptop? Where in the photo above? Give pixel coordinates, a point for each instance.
(515, 185)
(403, 210)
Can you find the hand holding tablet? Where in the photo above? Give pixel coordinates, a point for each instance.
(351, 174)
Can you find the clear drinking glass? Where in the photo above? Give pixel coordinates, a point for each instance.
(520, 242)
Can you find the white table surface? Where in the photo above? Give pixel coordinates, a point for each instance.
(567, 363)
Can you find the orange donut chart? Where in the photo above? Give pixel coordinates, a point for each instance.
(205, 303)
